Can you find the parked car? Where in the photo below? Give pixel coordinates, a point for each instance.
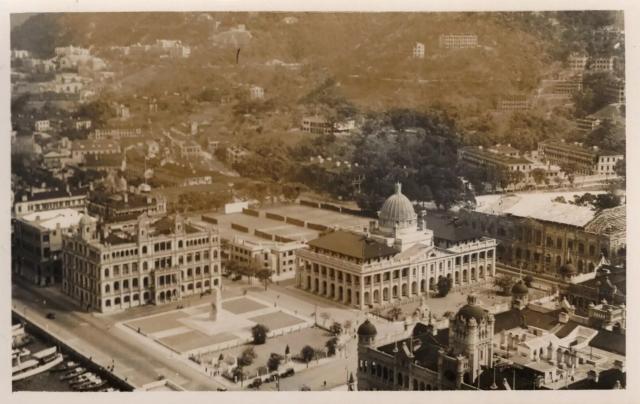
(51, 316)
(288, 372)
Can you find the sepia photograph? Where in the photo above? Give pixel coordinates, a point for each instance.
(227, 201)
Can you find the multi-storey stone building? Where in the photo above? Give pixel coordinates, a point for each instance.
(159, 261)
(37, 244)
(395, 260)
(585, 160)
(429, 359)
(552, 238)
(27, 203)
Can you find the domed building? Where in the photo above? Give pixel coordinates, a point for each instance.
(397, 212)
(520, 294)
(392, 260)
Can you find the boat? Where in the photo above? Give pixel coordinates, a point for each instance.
(41, 362)
(66, 366)
(95, 385)
(19, 338)
(83, 378)
(73, 373)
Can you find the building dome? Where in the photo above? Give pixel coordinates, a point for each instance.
(367, 329)
(472, 310)
(397, 210)
(519, 288)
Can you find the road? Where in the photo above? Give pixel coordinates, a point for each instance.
(97, 337)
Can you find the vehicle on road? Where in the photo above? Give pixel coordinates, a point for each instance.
(51, 316)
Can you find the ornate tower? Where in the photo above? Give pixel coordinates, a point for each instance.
(470, 336)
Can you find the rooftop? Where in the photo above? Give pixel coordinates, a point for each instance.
(51, 219)
(447, 228)
(353, 245)
(495, 156)
(42, 196)
(324, 217)
(537, 206)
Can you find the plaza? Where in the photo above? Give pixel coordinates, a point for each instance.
(193, 330)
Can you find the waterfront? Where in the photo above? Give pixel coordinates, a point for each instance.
(48, 380)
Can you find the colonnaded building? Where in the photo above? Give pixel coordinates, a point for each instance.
(396, 259)
(159, 261)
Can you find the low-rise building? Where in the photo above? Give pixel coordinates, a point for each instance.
(584, 160)
(577, 61)
(42, 125)
(256, 92)
(37, 244)
(115, 133)
(159, 261)
(493, 158)
(601, 64)
(418, 50)
(458, 41)
(125, 205)
(27, 203)
(514, 103)
(317, 124)
(236, 154)
(82, 148)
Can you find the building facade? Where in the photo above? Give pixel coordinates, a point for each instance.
(552, 247)
(159, 261)
(26, 203)
(586, 161)
(429, 359)
(395, 260)
(458, 41)
(37, 244)
(418, 50)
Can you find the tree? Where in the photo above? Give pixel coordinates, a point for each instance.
(274, 362)
(528, 280)
(259, 332)
(336, 328)
(265, 276)
(247, 357)
(395, 312)
(606, 201)
(539, 175)
(332, 345)
(505, 283)
(307, 354)
(444, 286)
(287, 350)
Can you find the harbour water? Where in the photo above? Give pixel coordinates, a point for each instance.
(48, 380)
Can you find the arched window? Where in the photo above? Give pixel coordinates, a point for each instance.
(107, 288)
(106, 272)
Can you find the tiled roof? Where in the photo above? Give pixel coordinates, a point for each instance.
(447, 229)
(352, 245)
(609, 341)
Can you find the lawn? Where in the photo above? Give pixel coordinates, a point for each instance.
(277, 320)
(242, 305)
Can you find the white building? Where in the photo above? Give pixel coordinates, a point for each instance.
(396, 259)
(418, 50)
(256, 93)
(42, 125)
